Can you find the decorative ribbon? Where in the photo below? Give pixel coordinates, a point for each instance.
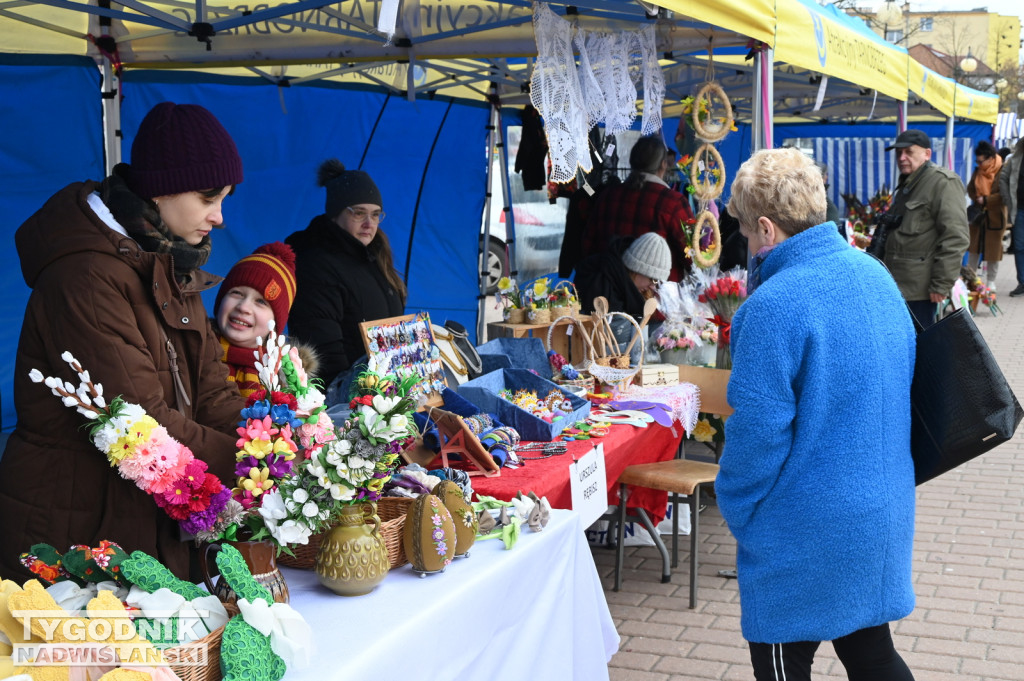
(724, 330)
(164, 604)
(291, 637)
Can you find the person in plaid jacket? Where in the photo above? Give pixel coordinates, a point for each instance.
(643, 203)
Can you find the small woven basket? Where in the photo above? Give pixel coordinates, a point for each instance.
(570, 307)
(390, 510)
(539, 315)
(516, 315)
(189, 655)
(615, 370)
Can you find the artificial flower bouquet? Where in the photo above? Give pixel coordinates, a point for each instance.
(285, 422)
(723, 293)
(508, 295)
(687, 335)
(978, 291)
(538, 307)
(143, 451)
(354, 467)
(538, 293)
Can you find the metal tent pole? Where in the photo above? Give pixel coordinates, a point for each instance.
(949, 143)
(764, 98)
(486, 240)
(111, 115)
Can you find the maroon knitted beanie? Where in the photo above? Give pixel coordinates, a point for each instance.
(182, 148)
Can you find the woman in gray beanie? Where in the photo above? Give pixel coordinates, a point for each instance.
(114, 272)
(345, 274)
(627, 274)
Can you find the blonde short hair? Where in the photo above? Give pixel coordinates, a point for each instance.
(782, 185)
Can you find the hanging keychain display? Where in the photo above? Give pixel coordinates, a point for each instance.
(406, 345)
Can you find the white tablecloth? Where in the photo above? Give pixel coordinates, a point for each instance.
(534, 613)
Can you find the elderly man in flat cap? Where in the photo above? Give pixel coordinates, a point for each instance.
(927, 230)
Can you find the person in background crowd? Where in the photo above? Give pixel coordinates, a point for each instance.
(831, 210)
(627, 274)
(115, 279)
(259, 289)
(824, 534)
(580, 204)
(925, 247)
(345, 274)
(1011, 188)
(1004, 152)
(989, 223)
(643, 203)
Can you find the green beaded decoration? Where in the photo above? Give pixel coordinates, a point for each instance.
(245, 653)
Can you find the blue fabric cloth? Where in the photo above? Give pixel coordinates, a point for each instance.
(816, 479)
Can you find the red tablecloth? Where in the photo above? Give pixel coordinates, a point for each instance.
(623, 446)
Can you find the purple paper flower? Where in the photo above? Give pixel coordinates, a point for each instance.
(243, 466)
(437, 534)
(442, 548)
(279, 467)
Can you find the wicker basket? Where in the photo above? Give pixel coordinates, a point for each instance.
(390, 510)
(188, 653)
(516, 315)
(570, 308)
(539, 315)
(615, 370)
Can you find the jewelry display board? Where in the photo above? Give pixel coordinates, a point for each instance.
(406, 343)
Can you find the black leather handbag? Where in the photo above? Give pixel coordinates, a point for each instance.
(961, 404)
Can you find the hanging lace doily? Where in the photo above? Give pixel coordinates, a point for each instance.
(654, 82)
(608, 55)
(555, 93)
(590, 89)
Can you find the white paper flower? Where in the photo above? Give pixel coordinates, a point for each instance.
(340, 492)
(105, 438)
(273, 507)
(310, 509)
(290, 532)
(385, 404)
(300, 496)
(399, 423)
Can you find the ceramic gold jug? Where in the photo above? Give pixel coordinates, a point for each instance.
(353, 558)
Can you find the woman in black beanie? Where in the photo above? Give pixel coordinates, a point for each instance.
(345, 273)
(114, 272)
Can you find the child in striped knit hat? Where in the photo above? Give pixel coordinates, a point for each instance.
(258, 289)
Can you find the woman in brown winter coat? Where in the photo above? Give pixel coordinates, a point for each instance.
(115, 279)
(988, 227)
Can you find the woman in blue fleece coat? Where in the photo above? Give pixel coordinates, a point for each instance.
(816, 479)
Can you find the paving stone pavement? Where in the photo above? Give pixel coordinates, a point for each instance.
(968, 558)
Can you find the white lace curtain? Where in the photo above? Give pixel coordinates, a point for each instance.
(574, 98)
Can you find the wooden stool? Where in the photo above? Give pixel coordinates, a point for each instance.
(678, 476)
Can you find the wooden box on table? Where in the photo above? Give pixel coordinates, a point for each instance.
(657, 374)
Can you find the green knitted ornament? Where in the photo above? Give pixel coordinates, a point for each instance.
(245, 653)
(150, 574)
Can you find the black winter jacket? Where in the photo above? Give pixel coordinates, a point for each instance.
(605, 275)
(339, 285)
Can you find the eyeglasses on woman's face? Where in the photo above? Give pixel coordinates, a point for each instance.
(361, 215)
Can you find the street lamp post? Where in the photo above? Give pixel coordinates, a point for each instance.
(890, 15)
